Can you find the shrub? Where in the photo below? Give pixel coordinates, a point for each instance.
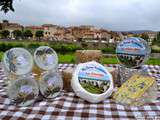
(64, 48)
(58, 47)
(110, 50)
(33, 45)
(155, 49)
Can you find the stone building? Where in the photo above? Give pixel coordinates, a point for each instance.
(152, 36)
(5, 25)
(49, 31)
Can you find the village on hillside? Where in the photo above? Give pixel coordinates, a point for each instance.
(50, 32)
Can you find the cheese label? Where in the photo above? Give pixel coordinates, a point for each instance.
(132, 52)
(132, 46)
(94, 79)
(134, 88)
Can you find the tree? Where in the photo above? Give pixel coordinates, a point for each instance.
(145, 36)
(6, 5)
(158, 37)
(0, 26)
(28, 34)
(5, 33)
(17, 34)
(156, 40)
(39, 34)
(135, 35)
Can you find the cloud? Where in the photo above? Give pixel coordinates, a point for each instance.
(109, 14)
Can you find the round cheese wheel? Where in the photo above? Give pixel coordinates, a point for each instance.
(92, 82)
(18, 61)
(51, 84)
(23, 91)
(46, 58)
(133, 52)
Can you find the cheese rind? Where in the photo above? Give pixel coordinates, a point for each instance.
(90, 81)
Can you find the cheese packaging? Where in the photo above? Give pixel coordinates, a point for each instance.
(46, 58)
(23, 91)
(51, 84)
(133, 52)
(135, 90)
(92, 82)
(17, 61)
(125, 73)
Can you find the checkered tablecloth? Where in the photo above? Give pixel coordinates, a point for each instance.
(69, 106)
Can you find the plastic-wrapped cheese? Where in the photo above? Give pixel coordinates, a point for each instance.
(17, 61)
(46, 58)
(23, 91)
(92, 82)
(137, 90)
(51, 84)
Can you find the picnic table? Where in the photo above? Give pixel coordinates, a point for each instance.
(68, 106)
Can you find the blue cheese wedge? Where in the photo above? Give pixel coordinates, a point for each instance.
(92, 82)
(133, 90)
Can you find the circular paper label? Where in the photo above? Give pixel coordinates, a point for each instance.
(132, 52)
(92, 82)
(94, 79)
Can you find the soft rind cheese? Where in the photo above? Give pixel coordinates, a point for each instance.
(92, 82)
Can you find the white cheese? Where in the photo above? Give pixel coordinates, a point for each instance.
(92, 82)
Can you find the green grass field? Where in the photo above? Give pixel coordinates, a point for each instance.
(70, 58)
(65, 51)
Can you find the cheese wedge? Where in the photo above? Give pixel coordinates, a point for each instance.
(133, 89)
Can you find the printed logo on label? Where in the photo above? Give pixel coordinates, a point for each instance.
(50, 59)
(51, 81)
(21, 61)
(26, 89)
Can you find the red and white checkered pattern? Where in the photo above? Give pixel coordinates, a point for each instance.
(69, 106)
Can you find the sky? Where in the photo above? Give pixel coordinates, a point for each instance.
(117, 15)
